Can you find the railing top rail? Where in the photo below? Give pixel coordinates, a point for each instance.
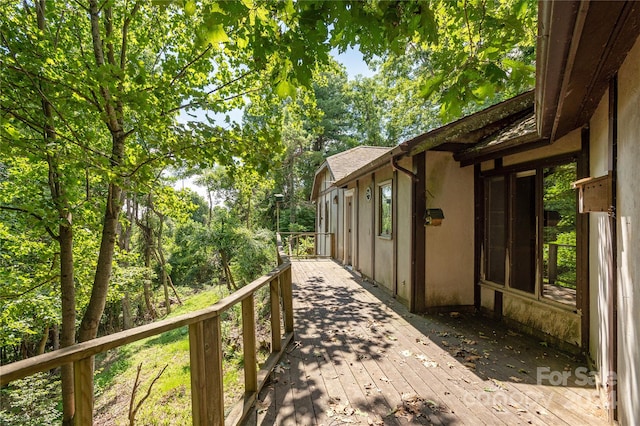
(305, 233)
(26, 367)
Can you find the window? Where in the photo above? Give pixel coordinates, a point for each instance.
(385, 215)
(530, 231)
(326, 216)
(559, 234)
(495, 229)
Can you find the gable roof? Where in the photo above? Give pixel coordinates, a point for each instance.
(345, 163)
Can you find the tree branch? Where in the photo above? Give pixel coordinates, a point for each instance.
(200, 103)
(133, 410)
(186, 67)
(32, 214)
(16, 295)
(125, 31)
(466, 19)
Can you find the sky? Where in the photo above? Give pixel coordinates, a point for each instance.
(352, 59)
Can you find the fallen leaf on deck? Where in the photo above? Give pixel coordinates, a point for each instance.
(515, 379)
(430, 364)
(498, 408)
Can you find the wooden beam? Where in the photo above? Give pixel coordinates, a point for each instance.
(418, 276)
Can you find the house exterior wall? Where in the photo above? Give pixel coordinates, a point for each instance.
(383, 255)
(628, 211)
(365, 230)
(599, 237)
(449, 250)
(337, 226)
(403, 234)
(326, 219)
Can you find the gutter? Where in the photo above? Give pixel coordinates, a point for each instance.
(395, 166)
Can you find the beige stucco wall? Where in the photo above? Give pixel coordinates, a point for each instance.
(629, 237)
(404, 218)
(384, 258)
(598, 236)
(569, 143)
(365, 231)
(449, 247)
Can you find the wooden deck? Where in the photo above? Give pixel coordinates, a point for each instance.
(359, 357)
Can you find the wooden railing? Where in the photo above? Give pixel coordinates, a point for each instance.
(310, 244)
(205, 347)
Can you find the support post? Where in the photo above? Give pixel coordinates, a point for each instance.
(207, 397)
(287, 299)
(83, 391)
(276, 332)
(249, 345)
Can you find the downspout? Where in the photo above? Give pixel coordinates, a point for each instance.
(396, 166)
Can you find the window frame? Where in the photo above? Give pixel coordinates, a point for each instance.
(382, 211)
(509, 173)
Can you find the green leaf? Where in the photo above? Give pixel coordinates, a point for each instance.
(285, 89)
(217, 34)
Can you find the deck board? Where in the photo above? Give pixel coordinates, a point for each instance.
(359, 357)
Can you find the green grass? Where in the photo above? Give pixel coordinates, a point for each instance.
(170, 399)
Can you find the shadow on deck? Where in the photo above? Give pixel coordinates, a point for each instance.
(359, 357)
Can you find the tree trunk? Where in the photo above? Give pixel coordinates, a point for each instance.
(163, 278)
(147, 234)
(231, 285)
(65, 241)
(91, 318)
(126, 312)
(43, 342)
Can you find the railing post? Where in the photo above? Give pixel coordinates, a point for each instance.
(553, 263)
(287, 298)
(83, 391)
(276, 332)
(207, 397)
(249, 345)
